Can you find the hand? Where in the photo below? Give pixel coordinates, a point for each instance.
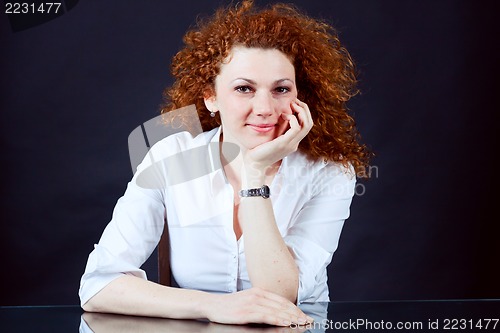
(254, 305)
(294, 129)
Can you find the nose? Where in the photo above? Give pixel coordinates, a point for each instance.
(263, 104)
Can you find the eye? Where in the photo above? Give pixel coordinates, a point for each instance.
(244, 89)
(282, 90)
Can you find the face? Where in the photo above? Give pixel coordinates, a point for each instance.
(254, 87)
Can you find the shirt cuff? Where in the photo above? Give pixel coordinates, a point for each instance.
(102, 268)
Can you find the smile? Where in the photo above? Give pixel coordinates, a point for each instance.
(262, 128)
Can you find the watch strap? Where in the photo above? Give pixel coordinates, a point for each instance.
(263, 191)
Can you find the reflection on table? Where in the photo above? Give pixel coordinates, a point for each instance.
(111, 323)
(372, 316)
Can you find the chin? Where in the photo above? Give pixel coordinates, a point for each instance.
(254, 142)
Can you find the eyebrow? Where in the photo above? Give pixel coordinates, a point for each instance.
(254, 83)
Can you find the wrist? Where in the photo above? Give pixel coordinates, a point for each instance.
(209, 305)
(203, 303)
(252, 182)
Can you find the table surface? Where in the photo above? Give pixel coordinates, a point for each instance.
(372, 316)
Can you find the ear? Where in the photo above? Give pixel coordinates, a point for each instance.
(211, 103)
(210, 99)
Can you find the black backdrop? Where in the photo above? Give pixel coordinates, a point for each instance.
(424, 227)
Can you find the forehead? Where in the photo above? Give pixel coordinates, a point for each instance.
(256, 64)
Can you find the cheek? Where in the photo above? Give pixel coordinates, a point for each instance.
(284, 105)
(239, 104)
(231, 107)
(234, 110)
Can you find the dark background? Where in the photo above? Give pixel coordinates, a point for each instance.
(424, 227)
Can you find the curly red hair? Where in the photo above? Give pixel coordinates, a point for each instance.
(325, 73)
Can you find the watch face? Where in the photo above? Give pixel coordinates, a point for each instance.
(265, 192)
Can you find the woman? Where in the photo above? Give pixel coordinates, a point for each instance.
(253, 238)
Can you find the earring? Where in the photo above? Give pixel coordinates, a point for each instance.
(212, 114)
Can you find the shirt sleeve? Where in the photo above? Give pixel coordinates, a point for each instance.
(127, 241)
(315, 231)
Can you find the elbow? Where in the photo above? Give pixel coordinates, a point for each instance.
(286, 288)
(88, 307)
(292, 285)
(289, 288)
(293, 293)
(290, 293)
(288, 284)
(91, 306)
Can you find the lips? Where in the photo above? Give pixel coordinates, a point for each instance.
(262, 128)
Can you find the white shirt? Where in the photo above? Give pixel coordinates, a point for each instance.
(181, 180)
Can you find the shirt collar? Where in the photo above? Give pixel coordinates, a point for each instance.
(217, 177)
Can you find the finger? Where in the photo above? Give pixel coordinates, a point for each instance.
(296, 315)
(306, 108)
(292, 136)
(272, 317)
(304, 114)
(296, 133)
(293, 121)
(303, 120)
(283, 126)
(264, 317)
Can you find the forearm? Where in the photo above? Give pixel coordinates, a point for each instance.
(270, 264)
(131, 295)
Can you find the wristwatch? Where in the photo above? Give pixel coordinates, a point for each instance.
(256, 192)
